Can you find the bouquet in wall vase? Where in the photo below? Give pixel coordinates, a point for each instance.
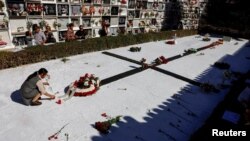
(42, 23)
(92, 10)
(85, 10)
(56, 24)
(29, 25)
(101, 10)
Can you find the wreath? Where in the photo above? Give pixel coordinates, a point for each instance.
(86, 85)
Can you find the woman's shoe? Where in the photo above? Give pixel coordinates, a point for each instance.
(35, 103)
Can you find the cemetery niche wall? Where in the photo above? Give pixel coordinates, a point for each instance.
(124, 16)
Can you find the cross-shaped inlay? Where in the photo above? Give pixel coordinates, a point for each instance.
(154, 67)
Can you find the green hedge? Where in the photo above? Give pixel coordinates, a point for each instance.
(59, 50)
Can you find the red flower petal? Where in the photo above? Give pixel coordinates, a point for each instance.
(104, 114)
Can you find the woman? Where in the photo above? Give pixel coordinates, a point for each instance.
(33, 88)
(49, 35)
(105, 29)
(70, 35)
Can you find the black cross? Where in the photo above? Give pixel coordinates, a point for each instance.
(140, 69)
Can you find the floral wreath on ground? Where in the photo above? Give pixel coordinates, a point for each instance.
(86, 85)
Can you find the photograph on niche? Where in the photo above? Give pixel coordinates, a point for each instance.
(3, 25)
(63, 9)
(106, 20)
(75, 1)
(48, 0)
(62, 0)
(131, 14)
(76, 22)
(131, 4)
(137, 13)
(75, 10)
(16, 9)
(106, 1)
(86, 1)
(62, 35)
(122, 20)
(86, 22)
(114, 10)
(49, 9)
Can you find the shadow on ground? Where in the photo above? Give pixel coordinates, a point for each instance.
(186, 111)
(16, 97)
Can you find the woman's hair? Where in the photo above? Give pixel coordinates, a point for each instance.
(27, 33)
(48, 28)
(40, 71)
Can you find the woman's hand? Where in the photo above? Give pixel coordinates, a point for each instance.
(52, 97)
(45, 83)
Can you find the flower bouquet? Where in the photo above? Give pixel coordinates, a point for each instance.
(161, 60)
(221, 65)
(143, 63)
(91, 10)
(152, 14)
(104, 126)
(56, 24)
(190, 50)
(135, 49)
(146, 15)
(42, 23)
(171, 42)
(207, 87)
(84, 10)
(206, 39)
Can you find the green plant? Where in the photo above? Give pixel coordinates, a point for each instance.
(29, 25)
(64, 50)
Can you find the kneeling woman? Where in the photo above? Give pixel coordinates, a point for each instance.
(33, 88)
